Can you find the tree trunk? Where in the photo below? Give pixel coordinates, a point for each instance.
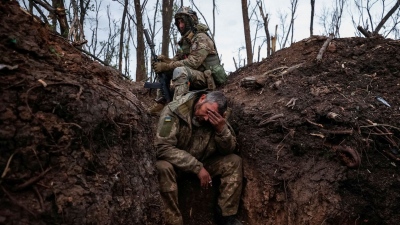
(121, 39)
(84, 6)
(213, 33)
(61, 17)
(312, 17)
(167, 12)
(266, 21)
(140, 62)
(246, 25)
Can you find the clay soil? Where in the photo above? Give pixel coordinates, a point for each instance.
(319, 138)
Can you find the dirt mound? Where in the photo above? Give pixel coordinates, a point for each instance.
(74, 137)
(319, 138)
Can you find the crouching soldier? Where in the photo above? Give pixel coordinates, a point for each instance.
(196, 65)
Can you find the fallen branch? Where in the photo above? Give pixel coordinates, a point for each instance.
(269, 72)
(284, 71)
(271, 119)
(72, 124)
(382, 131)
(323, 49)
(32, 180)
(40, 197)
(383, 125)
(337, 131)
(291, 103)
(16, 84)
(318, 135)
(364, 32)
(16, 202)
(391, 156)
(290, 69)
(7, 166)
(316, 124)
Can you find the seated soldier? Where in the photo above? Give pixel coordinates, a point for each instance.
(190, 67)
(193, 136)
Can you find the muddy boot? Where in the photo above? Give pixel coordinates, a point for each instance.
(156, 109)
(210, 80)
(225, 220)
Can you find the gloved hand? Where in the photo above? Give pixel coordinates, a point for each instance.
(163, 58)
(160, 67)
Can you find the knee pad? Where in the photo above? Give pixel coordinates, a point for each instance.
(180, 75)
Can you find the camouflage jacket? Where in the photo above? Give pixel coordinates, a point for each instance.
(185, 145)
(194, 48)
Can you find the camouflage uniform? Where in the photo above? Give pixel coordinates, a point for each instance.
(183, 146)
(196, 53)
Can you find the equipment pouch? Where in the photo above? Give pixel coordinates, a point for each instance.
(218, 74)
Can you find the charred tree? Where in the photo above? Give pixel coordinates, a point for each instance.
(266, 22)
(246, 25)
(167, 13)
(140, 61)
(312, 17)
(121, 39)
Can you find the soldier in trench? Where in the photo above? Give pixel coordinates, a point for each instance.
(194, 137)
(196, 64)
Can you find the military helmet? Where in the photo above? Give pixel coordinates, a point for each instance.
(189, 17)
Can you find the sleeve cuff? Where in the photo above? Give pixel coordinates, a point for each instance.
(223, 132)
(197, 168)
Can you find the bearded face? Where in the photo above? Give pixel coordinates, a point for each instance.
(184, 24)
(202, 108)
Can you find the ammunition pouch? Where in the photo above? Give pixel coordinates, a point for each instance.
(213, 64)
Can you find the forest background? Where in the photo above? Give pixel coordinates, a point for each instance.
(246, 31)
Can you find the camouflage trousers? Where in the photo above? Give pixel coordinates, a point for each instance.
(185, 79)
(228, 167)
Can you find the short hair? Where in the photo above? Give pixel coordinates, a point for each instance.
(219, 98)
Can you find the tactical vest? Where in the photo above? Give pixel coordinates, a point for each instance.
(212, 61)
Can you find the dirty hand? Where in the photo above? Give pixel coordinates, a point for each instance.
(205, 178)
(163, 58)
(160, 67)
(216, 120)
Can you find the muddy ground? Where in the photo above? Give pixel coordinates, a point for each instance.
(318, 145)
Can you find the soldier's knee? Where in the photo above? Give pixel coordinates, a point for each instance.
(234, 159)
(163, 166)
(180, 74)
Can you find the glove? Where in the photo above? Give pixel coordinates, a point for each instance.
(163, 58)
(160, 67)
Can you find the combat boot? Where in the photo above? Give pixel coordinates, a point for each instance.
(230, 220)
(225, 220)
(156, 109)
(210, 80)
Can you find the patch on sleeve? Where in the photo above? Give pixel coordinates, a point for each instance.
(167, 126)
(194, 46)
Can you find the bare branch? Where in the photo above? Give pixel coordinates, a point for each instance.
(383, 21)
